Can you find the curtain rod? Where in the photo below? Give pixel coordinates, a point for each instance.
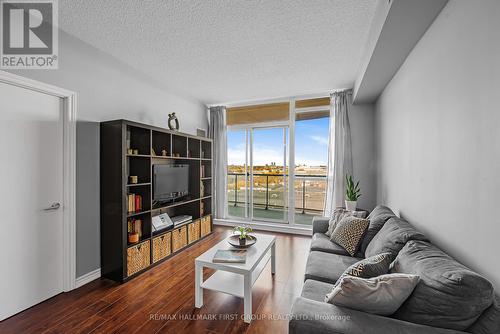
(347, 91)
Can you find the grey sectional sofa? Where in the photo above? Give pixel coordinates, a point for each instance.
(450, 298)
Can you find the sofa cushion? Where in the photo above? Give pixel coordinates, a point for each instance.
(370, 267)
(313, 317)
(489, 321)
(382, 295)
(326, 267)
(321, 242)
(349, 232)
(378, 217)
(320, 224)
(316, 290)
(449, 295)
(395, 233)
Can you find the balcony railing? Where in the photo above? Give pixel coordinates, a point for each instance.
(309, 190)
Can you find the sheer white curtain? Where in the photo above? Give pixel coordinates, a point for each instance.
(218, 132)
(339, 151)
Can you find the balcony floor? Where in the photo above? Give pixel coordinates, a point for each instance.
(271, 213)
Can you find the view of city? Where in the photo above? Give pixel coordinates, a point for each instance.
(270, 173)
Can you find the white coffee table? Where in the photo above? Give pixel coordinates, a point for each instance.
(235, 279)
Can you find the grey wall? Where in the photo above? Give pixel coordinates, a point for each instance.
(362, 118)
(87, 197)
(107, 89)
(438, 138)
(397, 26)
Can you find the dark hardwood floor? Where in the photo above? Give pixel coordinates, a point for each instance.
(162, 299)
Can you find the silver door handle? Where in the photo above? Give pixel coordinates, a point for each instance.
(54, 206)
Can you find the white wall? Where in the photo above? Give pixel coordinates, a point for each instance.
(107, 89)
(438, 135)
(361, 119)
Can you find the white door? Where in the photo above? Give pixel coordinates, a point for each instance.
(31, 172)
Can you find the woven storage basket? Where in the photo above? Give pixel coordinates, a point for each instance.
(179, 238)
(138, 257)
(205, 226)
(194, 231)
(161, 247)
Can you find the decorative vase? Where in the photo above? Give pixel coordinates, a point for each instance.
(133, 238)
(173, 122)
(350, 205)
(243, 242)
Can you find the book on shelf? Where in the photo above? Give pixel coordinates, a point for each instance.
(138, 203)
(202, 171)
(131, 203)
(230, 256)
(138, 227)
(134, 203)
(134, 226)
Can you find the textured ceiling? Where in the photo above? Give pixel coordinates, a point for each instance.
(233, 50)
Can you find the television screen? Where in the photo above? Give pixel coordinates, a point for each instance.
(170, 182)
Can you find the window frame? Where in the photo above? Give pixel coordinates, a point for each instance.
(289, 223)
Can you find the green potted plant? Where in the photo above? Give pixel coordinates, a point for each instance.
(243, 234)
(352, 193)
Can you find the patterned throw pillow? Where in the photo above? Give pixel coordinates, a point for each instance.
(348, 233)
(370, 267)
(337, 216)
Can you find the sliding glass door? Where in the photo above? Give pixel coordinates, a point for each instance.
(257, 173)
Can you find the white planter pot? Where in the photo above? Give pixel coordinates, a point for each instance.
(351, 205)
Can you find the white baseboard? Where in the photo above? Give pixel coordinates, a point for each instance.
(266, 226)
(87, 278)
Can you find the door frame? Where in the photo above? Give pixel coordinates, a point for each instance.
(69, 167)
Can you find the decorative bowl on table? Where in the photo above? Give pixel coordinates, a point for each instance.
(234, 241)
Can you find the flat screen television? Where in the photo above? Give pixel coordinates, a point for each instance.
(170, 182)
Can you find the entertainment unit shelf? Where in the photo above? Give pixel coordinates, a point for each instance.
(135, 214)
(138, 184)
(132, 149)
(174, 204)
(138, 156)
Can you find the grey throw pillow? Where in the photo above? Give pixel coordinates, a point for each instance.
(370, 267)
(349, 232)
(337, 216)
(378, 295)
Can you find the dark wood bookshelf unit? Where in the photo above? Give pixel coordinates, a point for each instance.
(131, 149)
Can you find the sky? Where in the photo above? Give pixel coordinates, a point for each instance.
(311, 144)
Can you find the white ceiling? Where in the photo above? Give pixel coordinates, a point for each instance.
(233, 50)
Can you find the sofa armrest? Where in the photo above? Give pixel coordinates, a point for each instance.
(320, 224)
(309, 316)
